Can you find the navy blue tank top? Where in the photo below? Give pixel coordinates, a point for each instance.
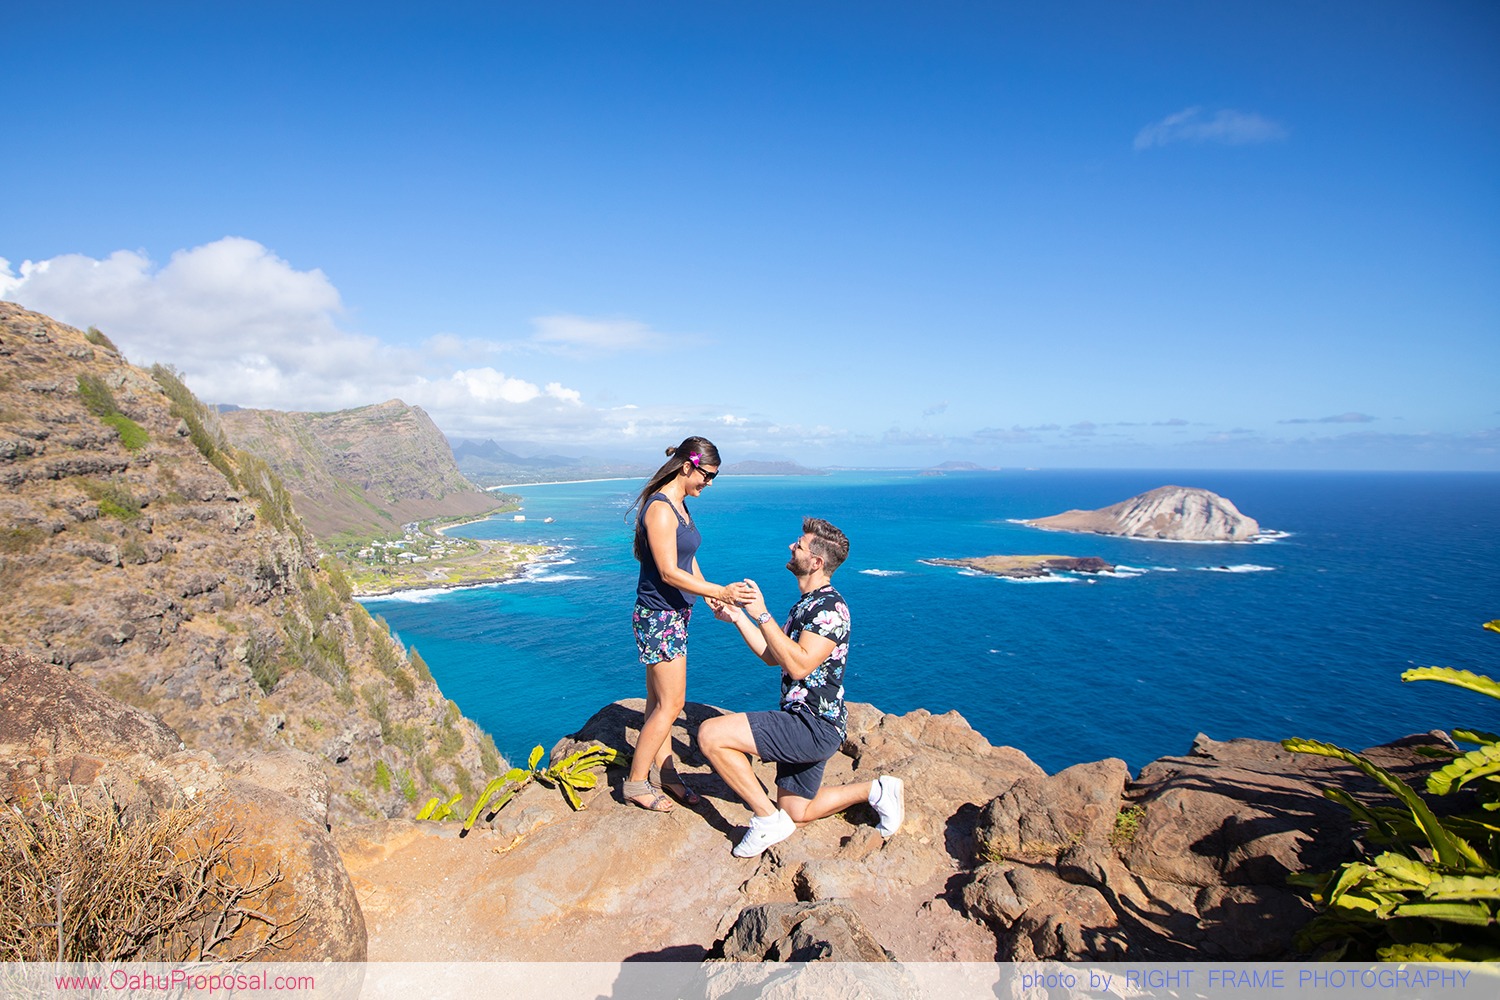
(651, 591)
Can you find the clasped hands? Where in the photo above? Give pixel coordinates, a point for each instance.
(742, 594)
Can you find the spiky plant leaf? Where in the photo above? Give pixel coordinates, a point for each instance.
(1475, 764)
(1493, 626)
(583, 780)
(535, 758)
(1405, 870)
(493, 787)
(1471, 914)
(483, 800)
(1451, 850)
(1425, 952)
(1467, 679)
(1361, 812)
(1474, 736)
(1464, 887)
(588, 757)
(570, 795)
(426, 811)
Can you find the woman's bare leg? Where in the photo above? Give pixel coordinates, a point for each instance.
(666, 693)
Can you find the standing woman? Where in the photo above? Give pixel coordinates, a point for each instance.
(666, 544)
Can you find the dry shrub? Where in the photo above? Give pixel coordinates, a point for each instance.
(86, 881)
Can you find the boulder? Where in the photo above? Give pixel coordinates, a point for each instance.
(1195, 868)
(821, 931)
(60, 736)
(1043, 815)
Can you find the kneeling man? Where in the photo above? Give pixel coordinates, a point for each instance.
(811, 650)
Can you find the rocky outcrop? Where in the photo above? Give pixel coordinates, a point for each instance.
(1175, 513)
(822, 931)
(61, 739)
(1191, 866)
(613, 881)
(1027, 567)
(145, 554)
(366, 471)
(997, 860)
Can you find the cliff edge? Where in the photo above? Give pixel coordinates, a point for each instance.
(997, 860)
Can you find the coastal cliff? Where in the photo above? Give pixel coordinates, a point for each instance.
(1173, 513)
(143, 553)
(367, 470)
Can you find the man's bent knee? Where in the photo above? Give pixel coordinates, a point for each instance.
(726, 732)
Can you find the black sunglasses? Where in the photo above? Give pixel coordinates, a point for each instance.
(708, 477)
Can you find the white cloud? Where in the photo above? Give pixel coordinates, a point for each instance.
(489, 386)
(581, 335)
(1225, 127)
(245, 326)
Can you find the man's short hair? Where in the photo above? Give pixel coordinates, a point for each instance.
(828, 542)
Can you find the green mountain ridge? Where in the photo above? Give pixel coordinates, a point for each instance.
(364, 471)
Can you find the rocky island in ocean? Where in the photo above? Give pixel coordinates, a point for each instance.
(1027, 567)
(1168, 513)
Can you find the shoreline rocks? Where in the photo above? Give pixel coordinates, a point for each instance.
(1027, 567)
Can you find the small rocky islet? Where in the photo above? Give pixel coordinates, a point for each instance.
(1167, 513)
(1027, 567)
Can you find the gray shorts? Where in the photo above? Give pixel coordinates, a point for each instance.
(799, 743)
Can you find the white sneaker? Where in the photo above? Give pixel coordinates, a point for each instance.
(889, 799)
(765, 831)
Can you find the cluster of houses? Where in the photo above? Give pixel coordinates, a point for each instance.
(415, 546)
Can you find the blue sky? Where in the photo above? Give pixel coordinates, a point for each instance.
(1214, 235)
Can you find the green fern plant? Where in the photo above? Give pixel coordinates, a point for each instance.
(1434, 895)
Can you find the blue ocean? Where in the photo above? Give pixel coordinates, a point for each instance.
(1305, 635)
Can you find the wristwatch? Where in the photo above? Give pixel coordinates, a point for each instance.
(763, 617)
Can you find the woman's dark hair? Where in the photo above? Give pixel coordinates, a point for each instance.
(698, 451)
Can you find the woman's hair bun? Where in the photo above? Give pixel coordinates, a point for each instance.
(671, 450)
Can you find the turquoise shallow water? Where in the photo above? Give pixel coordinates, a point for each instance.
(1303, 636)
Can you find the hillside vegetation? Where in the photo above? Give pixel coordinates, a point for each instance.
(143, 552)
(365, 471)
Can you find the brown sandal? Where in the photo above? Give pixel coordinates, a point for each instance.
(634, 791)
(671, 781)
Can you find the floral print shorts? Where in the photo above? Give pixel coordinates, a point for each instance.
(660, 635)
